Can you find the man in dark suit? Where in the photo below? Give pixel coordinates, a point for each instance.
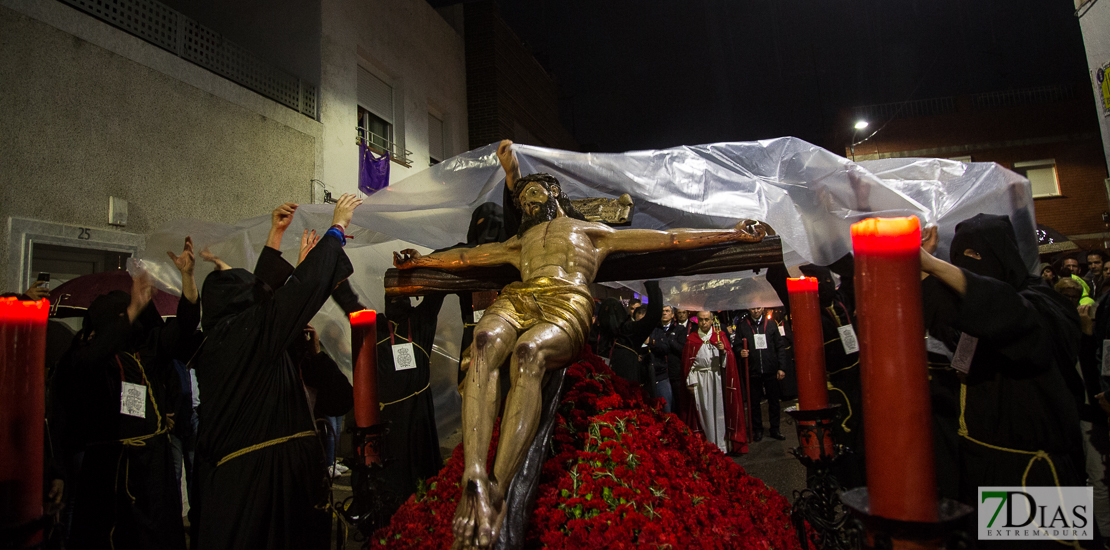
(665, 343)
(767, 358)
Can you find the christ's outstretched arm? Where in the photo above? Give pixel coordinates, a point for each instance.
(647, 240)
(485, 255)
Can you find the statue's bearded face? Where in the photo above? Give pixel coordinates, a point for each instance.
(537, 205)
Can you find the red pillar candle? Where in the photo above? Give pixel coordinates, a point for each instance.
(901, 479)
(809, 344)
(22, 411)
(364, 340)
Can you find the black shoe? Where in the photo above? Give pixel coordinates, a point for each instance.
(775, 434)
(757, 436)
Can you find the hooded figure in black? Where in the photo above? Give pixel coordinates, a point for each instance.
(1016, 394)
(411, 447)
(260, 470)
(128, 494)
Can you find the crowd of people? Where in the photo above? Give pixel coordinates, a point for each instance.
(246, 407)
(703, 365)
(1025, 407)
(242, 405)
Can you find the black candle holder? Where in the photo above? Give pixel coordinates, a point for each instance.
(371, 504)
(819, 505)
(946, 532)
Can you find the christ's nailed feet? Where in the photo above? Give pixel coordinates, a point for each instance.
(478, 516)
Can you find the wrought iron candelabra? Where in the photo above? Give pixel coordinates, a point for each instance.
(827, 517)
(371, 504)
(818, 514)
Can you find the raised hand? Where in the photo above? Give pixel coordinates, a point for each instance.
(141, 293)
(282, 216)
(406, 258)
(930, 238)
(37, 291)
(508, 163)
(186, 262)
(308, 242)
(208, 256)
(280, 219)
(344, 209)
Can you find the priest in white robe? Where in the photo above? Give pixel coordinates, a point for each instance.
(704, 359)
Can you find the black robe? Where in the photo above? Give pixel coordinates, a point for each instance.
(412, 444)
(127, 494)
(251, 394)
(1018, 394)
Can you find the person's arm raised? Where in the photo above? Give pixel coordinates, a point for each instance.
(947, 273)
(509, 163)
(647, 240)
(279, 222)
(185, 263)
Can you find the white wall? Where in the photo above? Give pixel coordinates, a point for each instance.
(92, 112)
(1096, 38)
(407, 44)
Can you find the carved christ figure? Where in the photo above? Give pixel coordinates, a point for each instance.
(542, 322)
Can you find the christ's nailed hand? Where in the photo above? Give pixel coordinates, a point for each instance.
(752, 230)
(405, 258)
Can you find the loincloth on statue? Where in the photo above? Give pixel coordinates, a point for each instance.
(547, 300)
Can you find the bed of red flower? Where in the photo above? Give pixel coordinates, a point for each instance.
(621, 474)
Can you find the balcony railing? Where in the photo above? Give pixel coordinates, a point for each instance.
(174, 32)
(906, 109)
(1028, 96)
(382, 145)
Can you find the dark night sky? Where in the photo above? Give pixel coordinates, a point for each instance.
(651, 74)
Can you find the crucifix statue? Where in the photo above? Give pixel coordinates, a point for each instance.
(540, 323)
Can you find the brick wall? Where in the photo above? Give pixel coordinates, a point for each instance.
(507, 89)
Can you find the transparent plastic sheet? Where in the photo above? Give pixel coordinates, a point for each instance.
(809, 195)
(954, 191)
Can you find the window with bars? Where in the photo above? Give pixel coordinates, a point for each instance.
(376, 116)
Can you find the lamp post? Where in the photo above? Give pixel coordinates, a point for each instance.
(860, 125)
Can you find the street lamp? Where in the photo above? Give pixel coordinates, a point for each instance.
(860, 125)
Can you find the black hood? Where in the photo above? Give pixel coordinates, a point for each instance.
(487, 225)
(228, 293)
(611, 316)
(992, 237)
(826, 285)
(105, 310)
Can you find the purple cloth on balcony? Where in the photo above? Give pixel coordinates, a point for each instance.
(373, 172)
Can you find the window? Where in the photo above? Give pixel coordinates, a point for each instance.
(1041, 175)
(436, 148)
(376, 116)
(374, 130)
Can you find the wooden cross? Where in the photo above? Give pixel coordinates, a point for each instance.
(721, 258)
